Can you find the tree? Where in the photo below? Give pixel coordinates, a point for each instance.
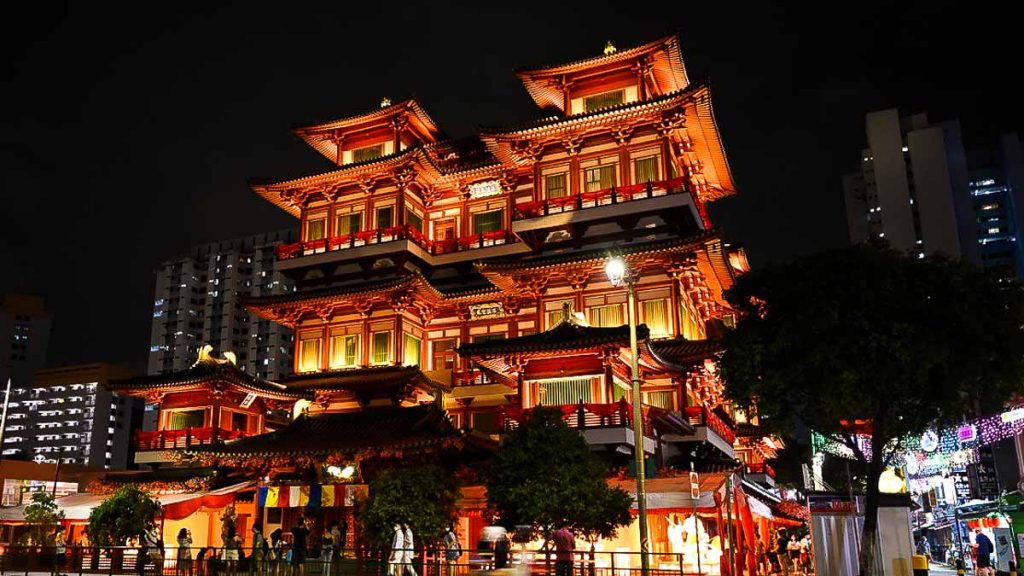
(43, 516)
(864, 339)
(545, 475)
(422, 497)
(122, 516)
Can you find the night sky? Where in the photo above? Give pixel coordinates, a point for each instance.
(128, 137)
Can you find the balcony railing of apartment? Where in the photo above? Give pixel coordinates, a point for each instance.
(173, 439)
(581, 416)
(701, 416)
(760, 468)
(383, 235)
(605, 197)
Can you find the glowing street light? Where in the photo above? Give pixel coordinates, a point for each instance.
(618, 274)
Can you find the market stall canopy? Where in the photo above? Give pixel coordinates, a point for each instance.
(668, 495)
(77, 507)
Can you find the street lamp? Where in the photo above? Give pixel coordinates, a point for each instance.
(618, 274)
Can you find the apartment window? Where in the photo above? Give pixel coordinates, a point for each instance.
(344, 351)
(368, 153)
(412, 350)
(316, 229)
(645, 169)
(182, 419)
(599, 178)
(385, 217)
(608, 316)
(603, 100)
(348, 224)
(565, 391)
(555, 186)
(381, 347)
(309, 354)
(414, 220)
(656, 317)
(487, 221)
(444, 354)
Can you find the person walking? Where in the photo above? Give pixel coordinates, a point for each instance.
(276, 550)
(924, 547)
(793, 548)
(299, 535)
(452, 549)
(983, 549)
(259, 551)
(410, 551)
(397, 552)
(781, 554)
(60, 549)
(339, 543)
(565, 545)
(327, 550)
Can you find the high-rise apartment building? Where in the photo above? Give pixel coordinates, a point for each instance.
(996, 185)
(197, 302)
(912, 189)
(24, 337)
(68, 414)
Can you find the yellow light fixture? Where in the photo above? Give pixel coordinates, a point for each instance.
(891, 483)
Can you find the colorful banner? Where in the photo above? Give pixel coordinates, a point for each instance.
(311, 496)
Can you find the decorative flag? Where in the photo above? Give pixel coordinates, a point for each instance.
(293, 498)
(284, 494)
(272, 497)
(314, 495)
(327, 495)
(303, 496)
(261, 498)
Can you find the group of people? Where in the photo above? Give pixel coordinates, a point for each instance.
(787, 555)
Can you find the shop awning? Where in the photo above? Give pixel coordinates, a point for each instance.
(77, 507)
(668, 495)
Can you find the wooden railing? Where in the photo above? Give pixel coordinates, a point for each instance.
(581, 416)
(383, 235)
(605, 197)
(701, 416)
(175, 439)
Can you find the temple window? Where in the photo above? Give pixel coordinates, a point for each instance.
(309, 353)
(413, 346)
(444, 354)
(489, 337)
(444, 229)
(414, 220)
(484, 222)
(239, 421)
(608, 316)
(385, 217)
(316, 228)
(344, 351)
(348, 223)
(655, 316)
(555, 185)
(182, 419)
(598, 178)
(604, 100)
(645, 169)
(368, 153)
(554, 312)
(485, 422)
(381, 348)
(690, 324)
(661, 399)
(561, 391)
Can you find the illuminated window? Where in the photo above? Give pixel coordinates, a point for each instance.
(655, 315)
(487, 221)
(603, 100)
(563, 391)
(993, 230)
(689, 323)
(608, 316)
(660, 399)
(444, 354)
(444, 230)
(488, 337)
(344, 351)
(381, 347)
(348, 224)
(309, 353)
(557, 313)
(485, 422)
(316, 229)
(368, 153)
(645, 170)
(599, 178)
(182, 419)
(555, 186)
(412, 350)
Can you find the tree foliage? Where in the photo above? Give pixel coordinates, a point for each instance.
(865, 333)
(422, 497)
(43, 517)
(122, 516)
(544, 475)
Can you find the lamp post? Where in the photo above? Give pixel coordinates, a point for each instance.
(619, 274)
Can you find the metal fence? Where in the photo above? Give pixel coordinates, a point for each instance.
(74, 560)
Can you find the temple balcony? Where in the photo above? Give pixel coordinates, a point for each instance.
(708, 427)
(760, 473)
(604, 426)
(159, 446)
(534, 220)
(384, 241)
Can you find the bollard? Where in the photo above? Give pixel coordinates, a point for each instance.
(1012, 568)
(960, 571)
(920, 565)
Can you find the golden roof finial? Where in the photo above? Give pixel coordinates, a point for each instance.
(385, 102)
(609, 48)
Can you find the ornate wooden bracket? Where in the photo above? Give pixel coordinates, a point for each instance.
(572, 144)
(401, 300)
(363, 307)
(578, 279)
(622, 133)
(403, 176)
(527, 150)
(534, 285)
(511, 304)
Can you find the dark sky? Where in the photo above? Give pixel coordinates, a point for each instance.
(127, 136)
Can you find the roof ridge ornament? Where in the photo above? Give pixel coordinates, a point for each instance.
(385, 102)
(609, 48)
(205, 357)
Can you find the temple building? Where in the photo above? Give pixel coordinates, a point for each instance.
(445, 288)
